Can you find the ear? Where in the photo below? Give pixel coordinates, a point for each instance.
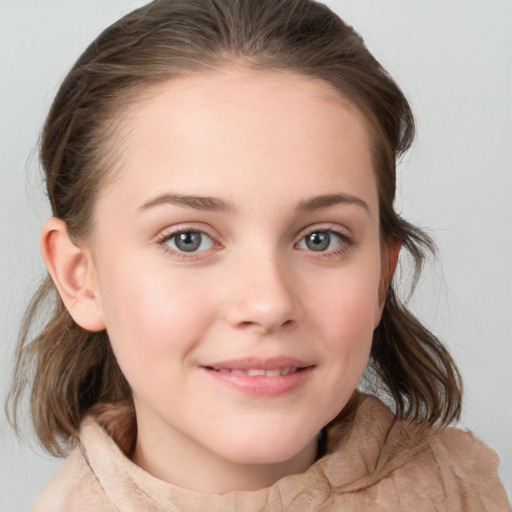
(389, 261)
(72, 271)
(390, 255)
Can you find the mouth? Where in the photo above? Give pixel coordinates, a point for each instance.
(262, 377)
(260, 367)
(259, 372)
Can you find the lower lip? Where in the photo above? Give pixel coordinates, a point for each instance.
(262, 385)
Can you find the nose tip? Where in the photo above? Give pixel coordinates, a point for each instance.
(263, 299)
(265, 324)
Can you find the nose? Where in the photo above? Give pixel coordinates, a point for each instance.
(263, 296)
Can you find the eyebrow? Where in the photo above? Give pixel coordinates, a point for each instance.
(318, 202)
(210, 204)
(214, 204)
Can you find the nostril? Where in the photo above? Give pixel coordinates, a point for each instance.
(246, 324)
(266, 326)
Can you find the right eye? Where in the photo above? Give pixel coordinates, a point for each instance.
(323, 241)
(188, 241)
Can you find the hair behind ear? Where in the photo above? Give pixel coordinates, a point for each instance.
(416, 368)
(87, 372)
(71, 361)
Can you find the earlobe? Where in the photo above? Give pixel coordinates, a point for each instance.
(72, 271)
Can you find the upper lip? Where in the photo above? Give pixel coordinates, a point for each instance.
(253, 363)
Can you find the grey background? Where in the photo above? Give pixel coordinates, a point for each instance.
(453, 60)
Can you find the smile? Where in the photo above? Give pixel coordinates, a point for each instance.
(261, 377)
(260, 372)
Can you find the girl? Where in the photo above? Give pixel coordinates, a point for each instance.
(222, 178)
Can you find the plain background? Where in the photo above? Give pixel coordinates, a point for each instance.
(453, 60)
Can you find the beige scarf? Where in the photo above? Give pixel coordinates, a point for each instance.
(373, 463)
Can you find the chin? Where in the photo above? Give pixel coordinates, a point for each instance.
(268, 449)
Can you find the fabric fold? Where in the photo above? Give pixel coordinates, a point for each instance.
(372, 463)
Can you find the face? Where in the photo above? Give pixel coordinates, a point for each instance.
(237, 264)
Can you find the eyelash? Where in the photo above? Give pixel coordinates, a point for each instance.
(183, 255)
(346, 242)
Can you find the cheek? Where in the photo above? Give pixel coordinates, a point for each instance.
(347, 313)
(152, 316)
(349, 305)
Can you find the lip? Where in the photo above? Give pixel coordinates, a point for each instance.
(261, 385)
(267, 363)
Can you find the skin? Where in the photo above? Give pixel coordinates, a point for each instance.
(264, 144)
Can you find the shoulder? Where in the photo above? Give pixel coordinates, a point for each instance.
(454, 469)
(72, 487)
(82, 483)
(461, 449)
(412, 467)
(469, 468)
(98, 473)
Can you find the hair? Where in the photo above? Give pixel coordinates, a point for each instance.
(73, 369)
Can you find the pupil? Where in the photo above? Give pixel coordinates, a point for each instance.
(188, 241)
(318, 241)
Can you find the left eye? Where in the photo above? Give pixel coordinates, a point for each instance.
(321, 241)
(189, 241)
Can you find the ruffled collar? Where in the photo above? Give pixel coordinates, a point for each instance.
(363, 447)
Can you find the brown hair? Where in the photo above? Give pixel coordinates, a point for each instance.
(73, 369)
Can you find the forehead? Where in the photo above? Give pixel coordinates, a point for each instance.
(242, 128)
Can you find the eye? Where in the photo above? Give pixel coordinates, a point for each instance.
(189, 241)
(322, 241)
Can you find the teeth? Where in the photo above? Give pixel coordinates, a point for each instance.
(260, 372)
(255, 372)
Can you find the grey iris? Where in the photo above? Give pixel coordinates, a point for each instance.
(188, 241)
(318, 241)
